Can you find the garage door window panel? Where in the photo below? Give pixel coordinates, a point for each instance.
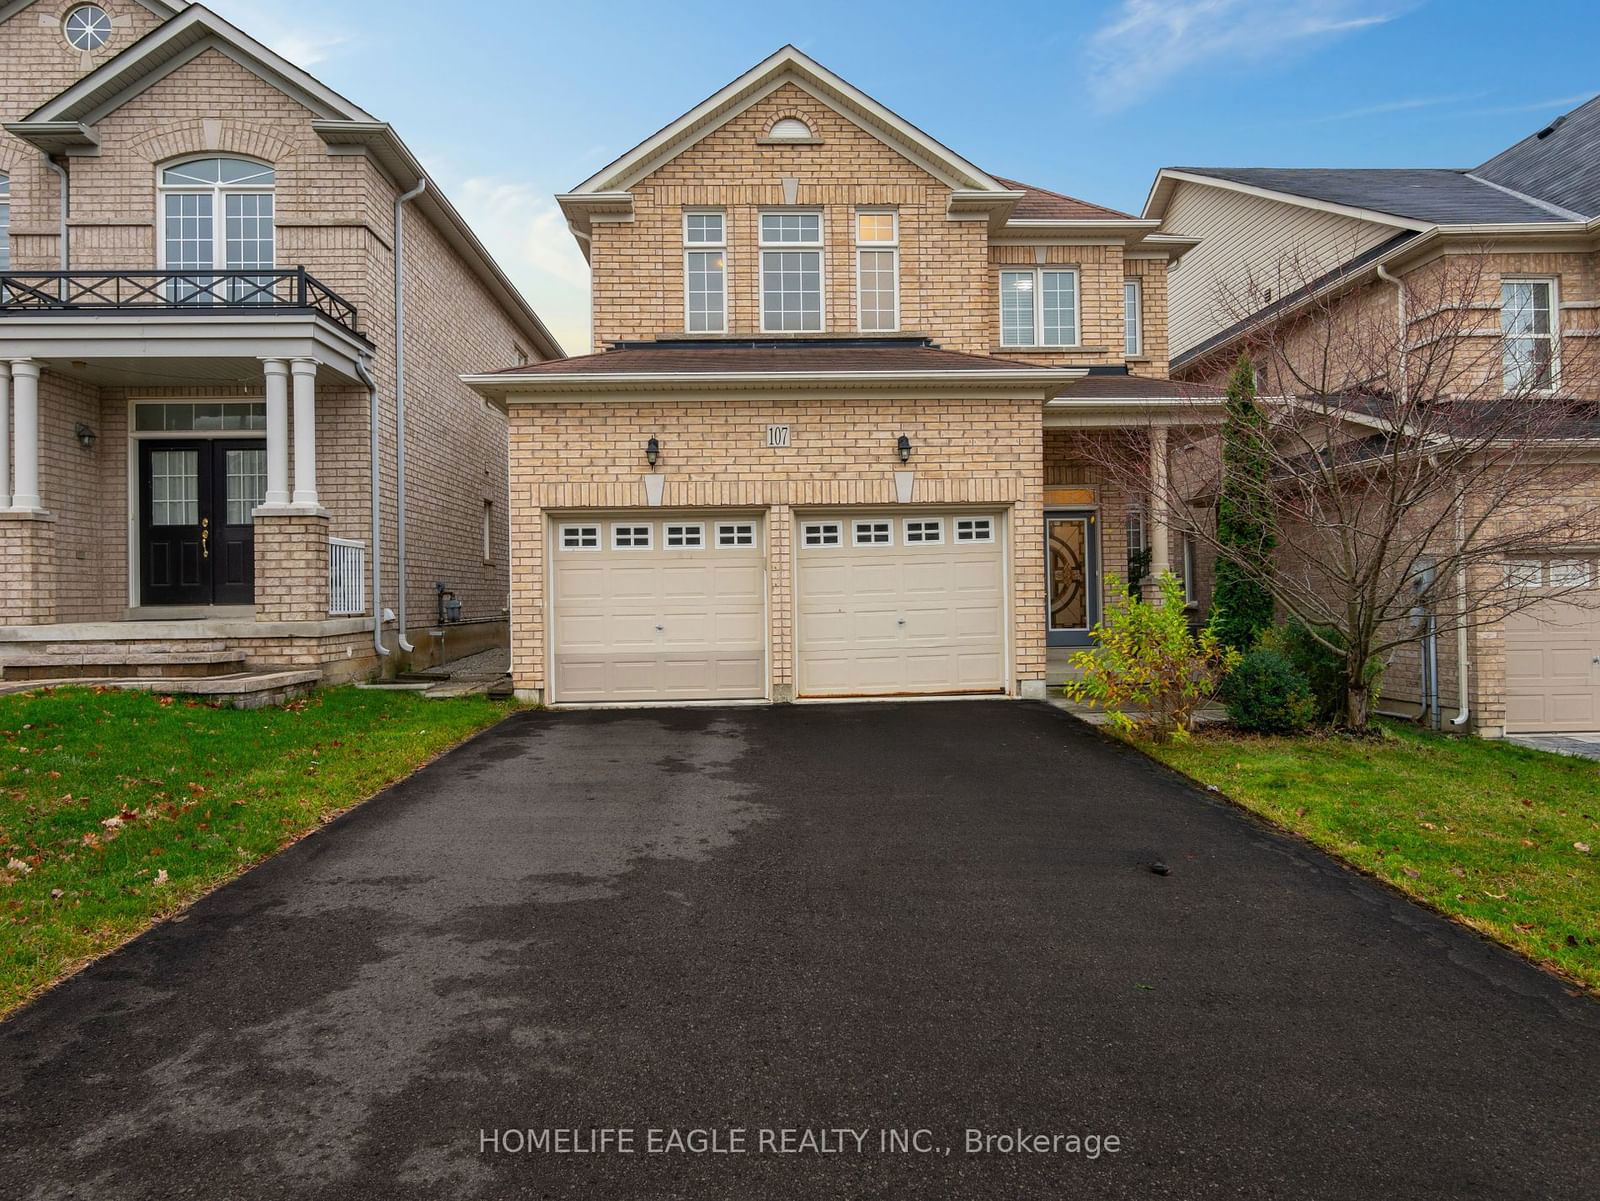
(974, 529)
(925, 531)
(580, 537)
(736, 535)
(820, 534)
(685, 536)
(872, 533)
(630, 537)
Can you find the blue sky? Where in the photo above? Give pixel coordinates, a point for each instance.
(1085, 98)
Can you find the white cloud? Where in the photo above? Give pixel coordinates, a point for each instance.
(1147, 43)
(527, 234)
(1559, 103)
(1394, 106)
(305, 43)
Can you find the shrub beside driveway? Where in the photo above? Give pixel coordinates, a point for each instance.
(120, 808)
(1503, 839)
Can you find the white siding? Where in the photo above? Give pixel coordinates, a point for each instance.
(1244, 236)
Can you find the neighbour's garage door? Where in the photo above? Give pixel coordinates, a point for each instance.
(658, 609)
(1553, 657)
(901, 603)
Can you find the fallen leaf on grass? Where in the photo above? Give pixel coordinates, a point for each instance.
(1581, 846)
(18, 866)
(161, 878)
(1412, 872)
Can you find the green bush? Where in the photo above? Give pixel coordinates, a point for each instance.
(1145, 659)
(1323, 667)
(1265, 694)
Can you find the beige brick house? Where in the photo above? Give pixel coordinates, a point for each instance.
(830, 444)
(1523, 228)
(217, 453)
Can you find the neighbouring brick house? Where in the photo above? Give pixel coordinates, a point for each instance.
(832, 440)
(198, 362)
(1523, 228)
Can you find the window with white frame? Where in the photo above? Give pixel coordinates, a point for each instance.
(1132, 318)
(1191, 583)
(974, 529)
(630, 537)
(1527, 321)
(872, 533)
(1571, 573)
(1138, 564)
(791, 272)
(925, 531)
(685, 535)
(580, 537)
(5, 223)
(877, 271)
(820, 533)
(1524, 573)
(488, 531)
(217, 215)
(705, 273)
(734, 534)
(1039, 307)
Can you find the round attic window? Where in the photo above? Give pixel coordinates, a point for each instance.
(791, 129)
(87, 28)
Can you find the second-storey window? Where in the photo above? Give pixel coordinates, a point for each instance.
(5, 223)
(1039, 308)
(1527, 321)
(1132, 319)
(216, 214)
(705, 273)
(791, 272)
(878, 271)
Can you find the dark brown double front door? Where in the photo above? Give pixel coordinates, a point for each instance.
(196, 537)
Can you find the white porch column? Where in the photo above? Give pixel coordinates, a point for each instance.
(277, 377)
(25, 428)
(1160, 525)
(305, 431)
(5, 435)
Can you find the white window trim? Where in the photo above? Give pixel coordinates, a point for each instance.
(219, 209)
(649, 535)
(666, 534)
(938, 530)
(807, 526)
(561, 536)
(700, 248)
(1191, 555)
(855, 532)
(974, 540)
(866, 245)
(488, 531)
(1132, 337)
(820, 246)
(1038, 274)
(755, 537)
(1555, 329)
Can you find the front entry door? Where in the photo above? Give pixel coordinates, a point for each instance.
(1072, 578)
(196, 538)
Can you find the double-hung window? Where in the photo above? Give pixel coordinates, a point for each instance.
(1039, 307)
(216, 215)
(1132, 319)
(791, 272)
(705, 273)
(877, 271)
(1527, 321)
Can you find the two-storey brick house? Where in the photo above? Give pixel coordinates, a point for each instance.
(831, 440)
(1289, 258)
(217, 451)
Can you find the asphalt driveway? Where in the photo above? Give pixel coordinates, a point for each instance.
(861, 918)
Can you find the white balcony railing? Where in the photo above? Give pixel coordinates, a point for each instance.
(347, 572)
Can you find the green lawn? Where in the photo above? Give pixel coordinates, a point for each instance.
(1503, 839)
(119, 808)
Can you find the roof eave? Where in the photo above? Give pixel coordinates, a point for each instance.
(56, 137)
(513, 387)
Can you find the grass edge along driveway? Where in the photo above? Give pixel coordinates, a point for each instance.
(1503, 839)
(119, 809)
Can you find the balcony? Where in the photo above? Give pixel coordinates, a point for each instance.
(293, 291)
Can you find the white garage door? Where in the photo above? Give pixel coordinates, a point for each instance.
(906, 603)
(658, 609)
(1553, 660)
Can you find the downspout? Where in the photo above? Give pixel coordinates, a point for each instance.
(377, 528)
(400, 401)
(1463, 696)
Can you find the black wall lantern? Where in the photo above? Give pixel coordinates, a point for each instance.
(904, 447)
(85, 436)
(652, 450)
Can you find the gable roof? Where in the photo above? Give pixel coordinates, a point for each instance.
(788, 65)
(65, 123)
(161, 8)
(1041, 204)
(1560, 163)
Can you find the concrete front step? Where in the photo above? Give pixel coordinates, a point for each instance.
(241, 690)
(98, 663)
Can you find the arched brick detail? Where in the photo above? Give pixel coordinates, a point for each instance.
(791, 115)
(12, 154)
(189, 138)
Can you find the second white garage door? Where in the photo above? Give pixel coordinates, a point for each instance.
(899, 604)
(1553, 657)
(658, 609)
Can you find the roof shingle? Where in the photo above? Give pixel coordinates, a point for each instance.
(1041, 204)
(774, 356)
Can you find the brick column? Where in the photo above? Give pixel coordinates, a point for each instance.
(291, 566)
(1159, 536)
(781, 600)
(28, 582)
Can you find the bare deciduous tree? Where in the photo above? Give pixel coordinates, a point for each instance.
(1426, 447)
